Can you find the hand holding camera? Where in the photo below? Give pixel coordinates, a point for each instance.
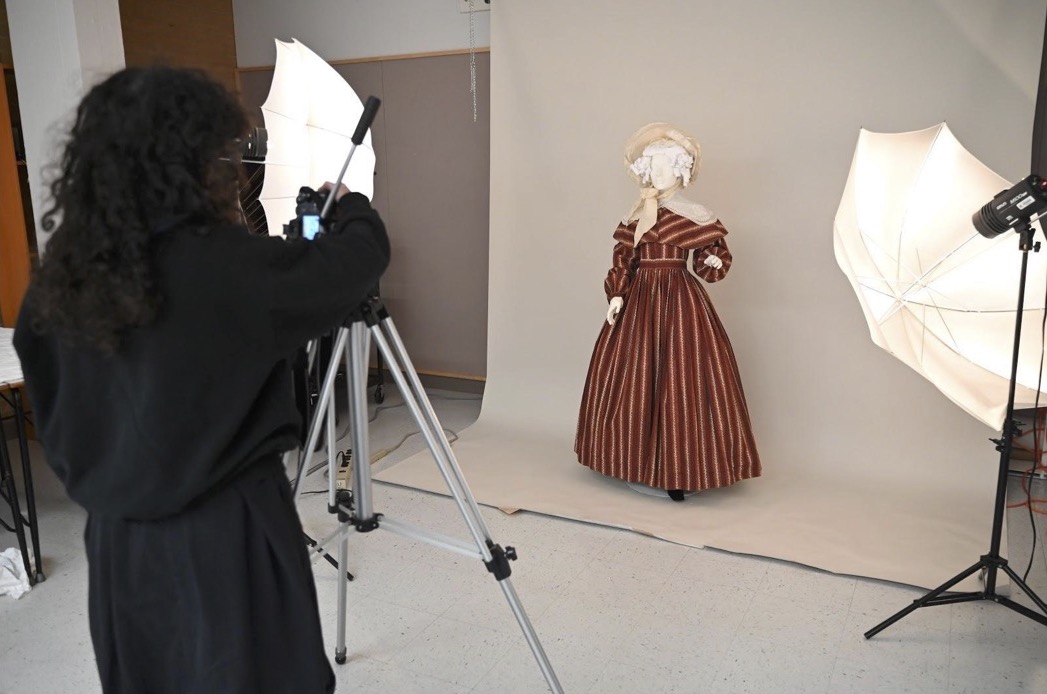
(308, 223)
(326, 187)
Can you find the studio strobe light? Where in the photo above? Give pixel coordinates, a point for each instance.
(1012, 208)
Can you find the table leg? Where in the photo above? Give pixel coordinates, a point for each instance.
(27, 477)
(7, 484)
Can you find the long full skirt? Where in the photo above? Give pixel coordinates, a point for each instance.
(218, 599)
(663, 402)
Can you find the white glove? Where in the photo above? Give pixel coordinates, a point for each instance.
(714, 262)
(613, 308)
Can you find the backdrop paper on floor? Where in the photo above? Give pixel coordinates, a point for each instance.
(868, 469)
(819, 520)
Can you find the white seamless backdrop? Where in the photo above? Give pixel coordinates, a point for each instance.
(868, 469)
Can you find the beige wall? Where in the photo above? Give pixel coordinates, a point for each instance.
(776, 93)
(355, 29)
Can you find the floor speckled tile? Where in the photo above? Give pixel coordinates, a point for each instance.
(615, 611)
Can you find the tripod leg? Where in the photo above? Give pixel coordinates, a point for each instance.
(331, 452)
(494, 557)
(417, 400)
(532, 638)
(343, 556)
(326, 398)
(358, 349)
(355, 347)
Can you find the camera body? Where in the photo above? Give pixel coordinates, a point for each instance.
(307, 223)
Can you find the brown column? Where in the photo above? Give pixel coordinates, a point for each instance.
(14, 246)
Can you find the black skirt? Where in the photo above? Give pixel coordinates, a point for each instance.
(219, 599)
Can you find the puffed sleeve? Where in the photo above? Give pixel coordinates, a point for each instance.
(620, 274)
(719, 249)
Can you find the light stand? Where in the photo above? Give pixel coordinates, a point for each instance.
(992, 562)
(354, 508)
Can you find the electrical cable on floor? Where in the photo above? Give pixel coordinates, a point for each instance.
(1036, 445)
(344, 431)
(375, 457)
(386, 451)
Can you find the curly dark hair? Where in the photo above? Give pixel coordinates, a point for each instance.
(151, 148)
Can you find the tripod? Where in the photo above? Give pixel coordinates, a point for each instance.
(992, 562)
(354, 508)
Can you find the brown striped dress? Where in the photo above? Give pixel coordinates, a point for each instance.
(663, 402)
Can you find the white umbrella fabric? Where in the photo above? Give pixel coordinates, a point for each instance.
(937, 294)
(310, 115)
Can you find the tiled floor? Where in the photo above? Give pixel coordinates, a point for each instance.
(616, 611)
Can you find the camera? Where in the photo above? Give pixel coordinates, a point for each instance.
(307, 223)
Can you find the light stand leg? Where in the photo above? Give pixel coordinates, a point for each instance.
(992, 562)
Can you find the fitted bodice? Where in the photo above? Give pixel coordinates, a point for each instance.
(661, 251)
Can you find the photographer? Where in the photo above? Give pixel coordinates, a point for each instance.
(155, 341)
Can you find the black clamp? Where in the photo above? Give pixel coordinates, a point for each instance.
(366, 525)
(500, 558)
(343, 505)
(1011, 429)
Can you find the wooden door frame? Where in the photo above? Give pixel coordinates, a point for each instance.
(14, 244)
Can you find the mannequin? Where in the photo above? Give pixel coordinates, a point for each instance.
(663, 404)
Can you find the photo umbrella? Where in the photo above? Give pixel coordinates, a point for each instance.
(938, 295)
(310, 115)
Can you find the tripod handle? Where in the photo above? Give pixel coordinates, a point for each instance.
(366, 118)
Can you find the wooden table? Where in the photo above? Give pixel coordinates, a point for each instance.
(11, 384)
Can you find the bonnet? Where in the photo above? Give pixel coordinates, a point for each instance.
(645, 211)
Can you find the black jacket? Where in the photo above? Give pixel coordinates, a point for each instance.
(191, 400)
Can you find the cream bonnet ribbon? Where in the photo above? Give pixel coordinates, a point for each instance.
(648, 205)
(645, 211)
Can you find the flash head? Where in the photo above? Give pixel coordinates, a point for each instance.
(256, 145)
(1012, 208)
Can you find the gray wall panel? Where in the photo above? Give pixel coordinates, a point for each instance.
(366, 80)
(439, 178)
(432, 189)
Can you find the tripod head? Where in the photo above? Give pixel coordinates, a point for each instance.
(370, 312)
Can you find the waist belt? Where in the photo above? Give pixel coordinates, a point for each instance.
(664, 263)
